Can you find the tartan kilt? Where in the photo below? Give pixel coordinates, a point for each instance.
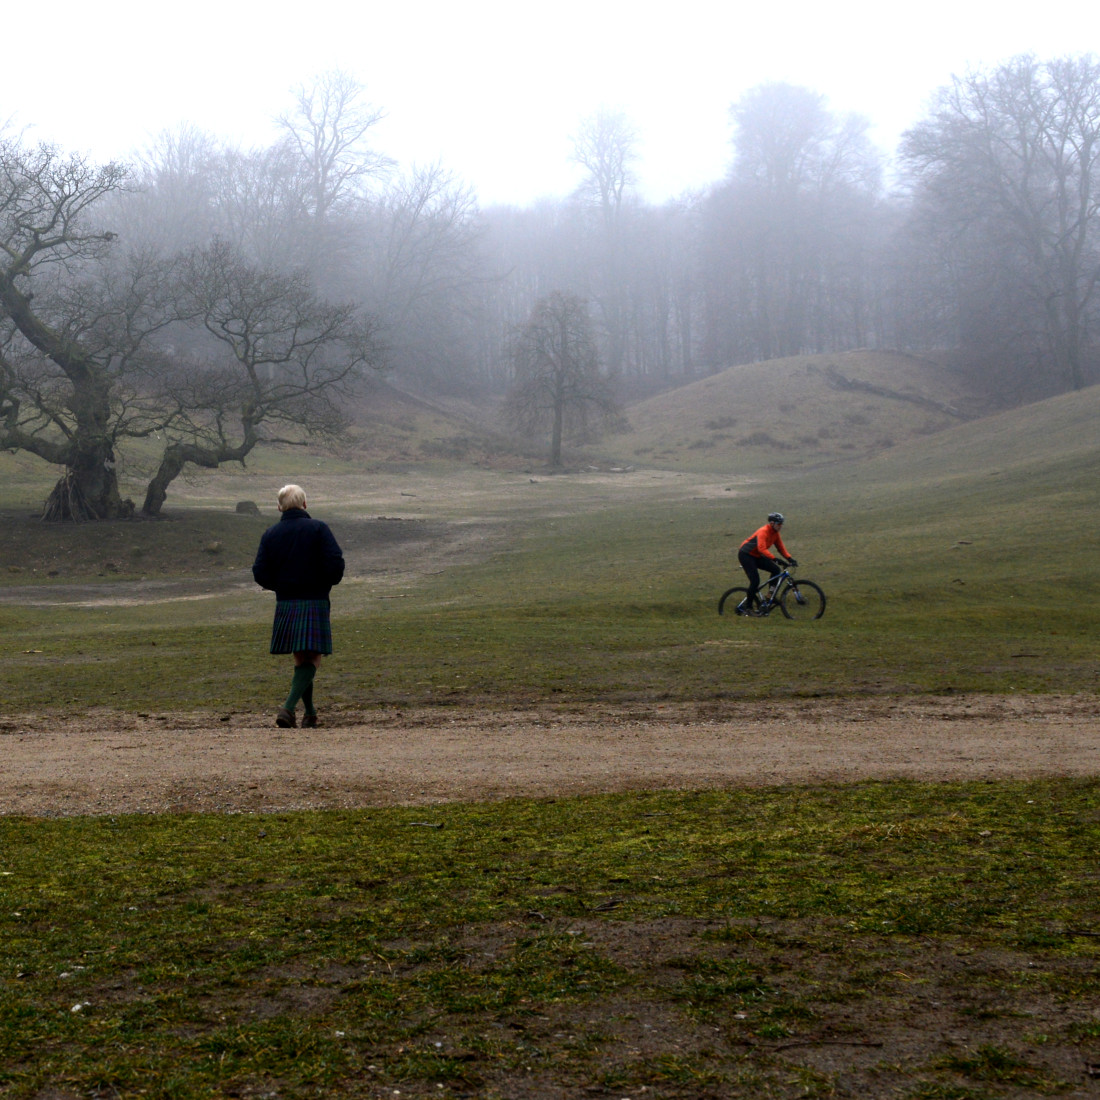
(301, 626)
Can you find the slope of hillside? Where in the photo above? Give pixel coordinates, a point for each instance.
(394, 426)
(1026, 473)
(1060, 433)
(796, 412)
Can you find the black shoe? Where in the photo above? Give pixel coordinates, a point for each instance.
(309, 721)
(285, 719)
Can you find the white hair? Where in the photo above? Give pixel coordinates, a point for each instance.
(291, 496)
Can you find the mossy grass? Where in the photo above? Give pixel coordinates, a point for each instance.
(942, 936)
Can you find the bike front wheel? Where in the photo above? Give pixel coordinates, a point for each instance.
(730, 600)
(803, 600)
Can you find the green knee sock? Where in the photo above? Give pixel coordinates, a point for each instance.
(303, 681)
(307, 698)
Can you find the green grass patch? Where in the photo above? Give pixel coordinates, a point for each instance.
(939, 559)
(938, 587)
(881, 939)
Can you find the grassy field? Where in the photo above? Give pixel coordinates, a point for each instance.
(917, 941)
(900, 940)
(967, 563)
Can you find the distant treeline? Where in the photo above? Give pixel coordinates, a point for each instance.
(207, 293)
(985, 243)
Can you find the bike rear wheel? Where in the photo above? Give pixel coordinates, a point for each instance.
(730, 599)
(802, 600)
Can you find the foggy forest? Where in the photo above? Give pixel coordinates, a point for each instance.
(214, 298)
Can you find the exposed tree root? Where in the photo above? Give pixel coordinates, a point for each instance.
(67, 503)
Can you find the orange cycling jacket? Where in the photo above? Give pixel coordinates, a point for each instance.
(757, 543)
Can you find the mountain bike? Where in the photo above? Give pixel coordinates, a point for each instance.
(797, 599)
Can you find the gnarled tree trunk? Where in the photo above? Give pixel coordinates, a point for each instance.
(177, 455)
(88, 490)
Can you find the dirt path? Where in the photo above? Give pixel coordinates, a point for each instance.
(105, 762)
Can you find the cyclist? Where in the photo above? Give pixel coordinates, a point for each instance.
(755, 553)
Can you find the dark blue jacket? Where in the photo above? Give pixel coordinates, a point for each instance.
(298, 558)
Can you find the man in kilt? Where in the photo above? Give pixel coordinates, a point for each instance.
(300, 561)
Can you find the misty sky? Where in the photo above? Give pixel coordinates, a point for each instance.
(494, 90)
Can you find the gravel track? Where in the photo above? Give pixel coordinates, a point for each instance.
(108, 762)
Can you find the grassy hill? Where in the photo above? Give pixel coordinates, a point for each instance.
(796, 412)
(1059, 436)
(1017, 489)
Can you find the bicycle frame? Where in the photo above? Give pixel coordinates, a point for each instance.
(775, 586)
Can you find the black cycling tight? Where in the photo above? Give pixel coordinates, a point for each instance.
(752, 566)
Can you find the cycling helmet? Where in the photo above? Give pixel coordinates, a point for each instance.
(775, 517)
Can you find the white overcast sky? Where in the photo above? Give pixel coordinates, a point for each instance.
(493, 89)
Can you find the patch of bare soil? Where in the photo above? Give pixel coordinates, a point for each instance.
(106, 762)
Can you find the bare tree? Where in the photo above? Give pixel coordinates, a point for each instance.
(1007, 174)
(605, 146)
(558, 385)
(276, 359)
(419, 268)
(65, 345)
(169, 204)
(787, 140)
(328, 131)
(783, 238)
(99, 345)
